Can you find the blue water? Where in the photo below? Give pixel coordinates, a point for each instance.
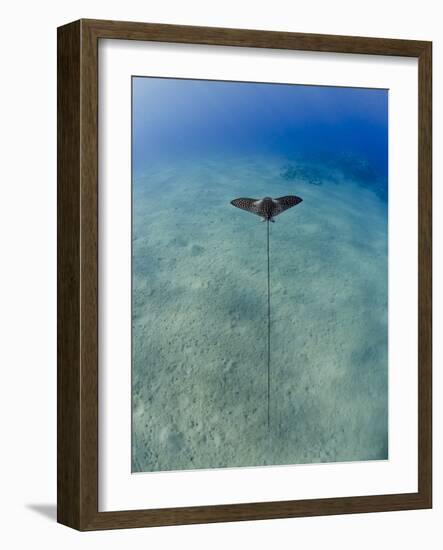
(199, 274)
(192, 119)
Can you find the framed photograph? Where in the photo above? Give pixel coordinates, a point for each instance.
(244, 275)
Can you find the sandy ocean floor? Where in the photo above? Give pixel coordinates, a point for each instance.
(200, 316)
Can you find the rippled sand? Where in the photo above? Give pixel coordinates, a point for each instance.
(200, 317)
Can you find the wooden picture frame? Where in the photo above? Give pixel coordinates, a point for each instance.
(77, 456)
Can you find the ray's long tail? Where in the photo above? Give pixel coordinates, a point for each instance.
(269, 326)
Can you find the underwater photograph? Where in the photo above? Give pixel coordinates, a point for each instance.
(259, 274)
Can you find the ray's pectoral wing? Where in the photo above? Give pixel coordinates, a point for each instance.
(284, 203)
(250, 205)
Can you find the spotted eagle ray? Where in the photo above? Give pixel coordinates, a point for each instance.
(267, 208)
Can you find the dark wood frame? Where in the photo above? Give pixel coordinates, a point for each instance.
(77, 456)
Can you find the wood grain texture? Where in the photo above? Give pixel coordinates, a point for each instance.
(68, 275)
(77, 453)
(254, 38)
(89, 275)
(425, 274)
